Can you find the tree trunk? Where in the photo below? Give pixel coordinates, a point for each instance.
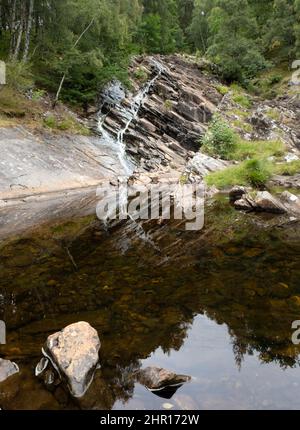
(28, 30)
(12, 25)
(18, 40)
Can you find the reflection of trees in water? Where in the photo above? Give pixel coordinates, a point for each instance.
(138, 305)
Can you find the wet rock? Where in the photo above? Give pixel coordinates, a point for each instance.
(261, 201)
(162, 382)
(41, 366)
(7, 369)
(291, 202)
(113, 93)
(173, 116)
(236, 193)
(264, 201)
(244, 204)
(74, 353)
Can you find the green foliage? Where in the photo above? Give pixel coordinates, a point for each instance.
(242, 100)
(91, 41)
(222, 89)
(271, 82)
(273, 114)
(65, 123)
(11, 104)
(262, 149)
(220, 139)
(159, 31)
(288, 169)
(257, 172)
(251, 172)
(50, 121)
(297, 29)
(19, 76)
(243, 125)
(279, 36)
(141, 75)
(233, 46)
(240, 97)
(199, 30)
(168, 104)
(38, 94)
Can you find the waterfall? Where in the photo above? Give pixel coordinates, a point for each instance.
(108, 138)
(129, 115)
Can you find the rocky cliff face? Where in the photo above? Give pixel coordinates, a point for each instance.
(174, 112)
(171, 119)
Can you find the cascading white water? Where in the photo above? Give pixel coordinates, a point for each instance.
(107, 138)
(129, 115)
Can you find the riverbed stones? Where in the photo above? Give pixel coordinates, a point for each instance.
(236, 193)
(7, 369)
(156, 378)
(74, 354)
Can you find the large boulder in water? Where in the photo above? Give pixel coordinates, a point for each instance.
(7, 369)
(74, 354)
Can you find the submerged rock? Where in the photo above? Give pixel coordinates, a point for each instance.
(162, 382)
(74, 354)
(7, 369)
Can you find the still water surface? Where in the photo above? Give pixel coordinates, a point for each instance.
(217, 305)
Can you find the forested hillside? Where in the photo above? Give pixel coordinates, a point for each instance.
(89, 41)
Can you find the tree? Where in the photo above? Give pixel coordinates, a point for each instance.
(233, 40)
(161, 21)
(199, 28)
(279, 36)
(28, 29)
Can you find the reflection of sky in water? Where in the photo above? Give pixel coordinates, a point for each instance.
(217, 381)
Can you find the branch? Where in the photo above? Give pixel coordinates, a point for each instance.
(65, 74)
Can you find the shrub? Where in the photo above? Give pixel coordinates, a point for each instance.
(240, 97)
(242, 100)
(220, 139)
(19, 76)
(257, 172)
(222, 89)
(141, 75)
(50, 121)
(168, 105)
(38, 94)
(275, 79)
